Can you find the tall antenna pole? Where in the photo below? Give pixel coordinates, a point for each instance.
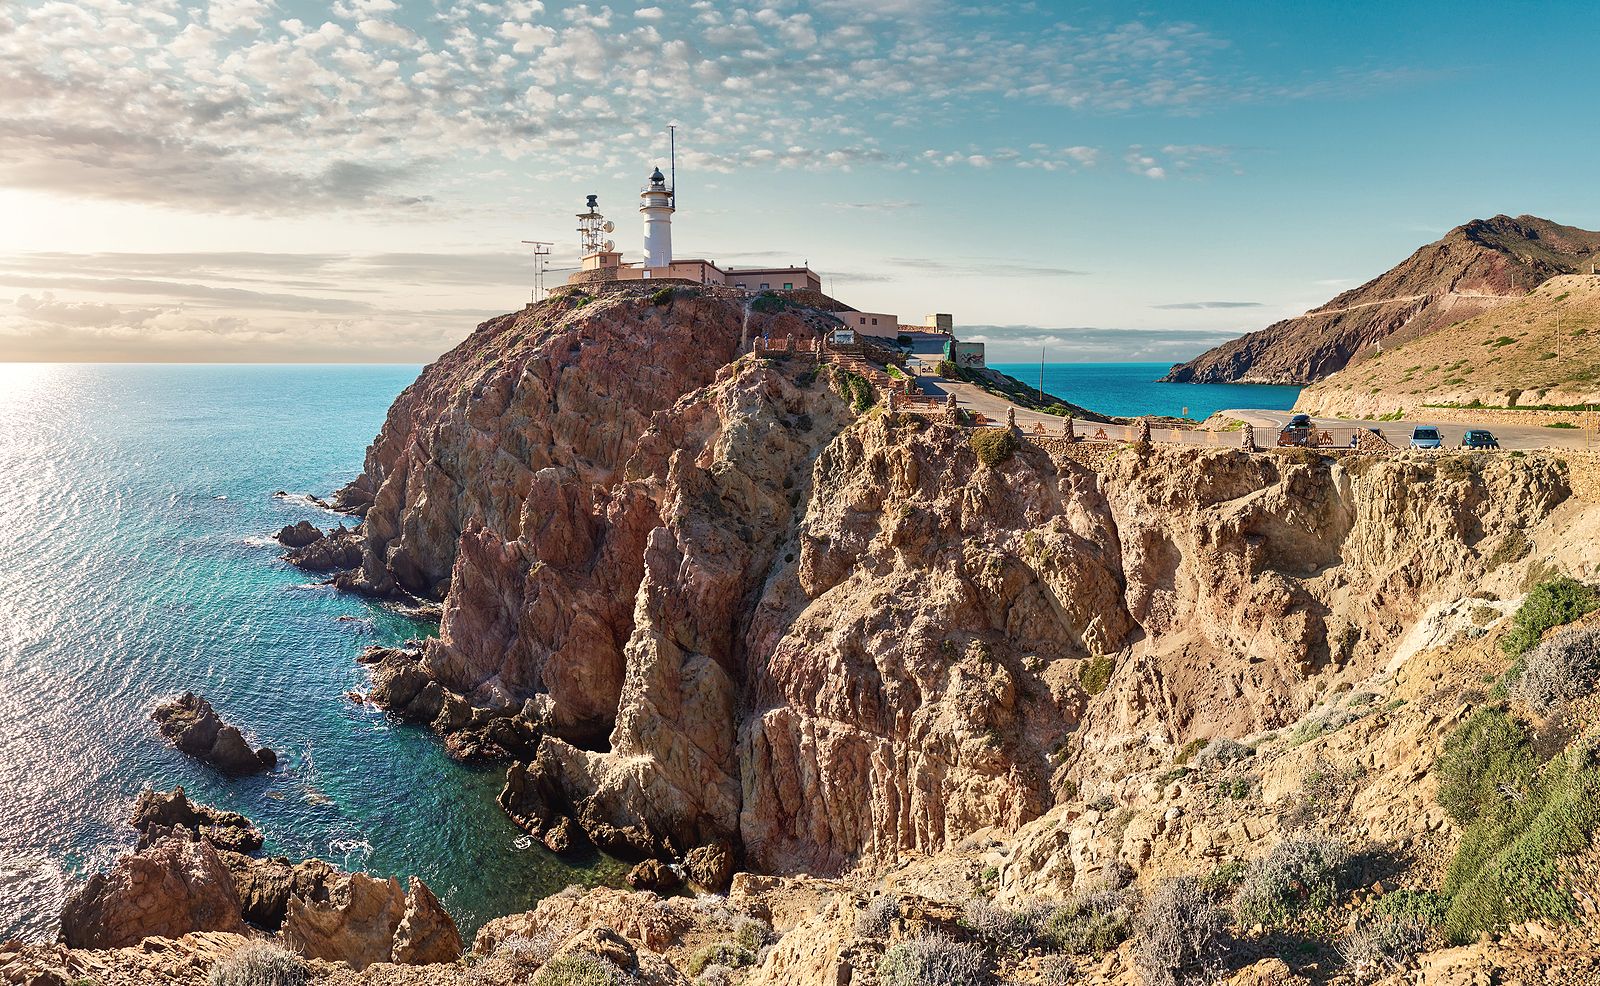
(541, 261)
(672, 139)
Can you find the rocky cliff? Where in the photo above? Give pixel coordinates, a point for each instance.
(1471, 269)
(708, 604)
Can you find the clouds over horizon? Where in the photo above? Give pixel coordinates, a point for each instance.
(236, 107)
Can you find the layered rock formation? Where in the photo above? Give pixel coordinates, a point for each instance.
(176, 885)
(1473, 268)
(193, 726)
(709, 605)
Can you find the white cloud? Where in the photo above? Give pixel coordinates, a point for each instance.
(385, 31)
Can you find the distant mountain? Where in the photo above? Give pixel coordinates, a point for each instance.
(1471, 269)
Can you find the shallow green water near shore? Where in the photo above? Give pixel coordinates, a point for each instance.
(135, 561)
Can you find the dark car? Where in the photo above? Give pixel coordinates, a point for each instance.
(1300, 421)
(1479, 438)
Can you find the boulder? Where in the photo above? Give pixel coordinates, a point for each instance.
(524, 800)
(299, 534)
(160, 810)
(176, 885)
(193, 726)
(561, 837)
(653, 875)
(364, 920)
(710, 867)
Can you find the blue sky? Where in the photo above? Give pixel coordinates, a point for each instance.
(248, 179)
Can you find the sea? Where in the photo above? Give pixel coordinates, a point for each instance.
(136, 561)
(1130, 389)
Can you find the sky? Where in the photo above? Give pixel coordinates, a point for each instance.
(277, 180)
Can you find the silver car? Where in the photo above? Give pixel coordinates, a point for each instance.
(1425, 436)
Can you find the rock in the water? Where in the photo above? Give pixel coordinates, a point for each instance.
(652, 874)
(176, 885)
(337, 550)
(365, 920)
(561, 837)
(193, 726)
(710, 867)
(299, 534)
(160, 810)
(524, 799)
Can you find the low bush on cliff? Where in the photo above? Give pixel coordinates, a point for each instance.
(1483, 762)
(1382, 946)
(994, 445)
(261, 964)
(878, 916)
(1090, 923)
(854, 388)
(580, 969)
(932, 959)
(1549, 604)
(1508, 866)
(1180, 935)
(661, 297)
(1095, 673)
(724, 953)
(1559, 670)
(1300, 874)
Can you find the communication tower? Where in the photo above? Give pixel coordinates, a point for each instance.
(541, 263)
(593, 229)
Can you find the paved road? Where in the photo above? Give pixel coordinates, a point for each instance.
(1399, 432)
(1267, 422)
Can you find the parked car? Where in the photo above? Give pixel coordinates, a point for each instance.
(1479, 438)
(1300, 421)
(1425, 437)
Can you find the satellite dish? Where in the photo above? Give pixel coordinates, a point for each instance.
(608, 226)
(610, 246)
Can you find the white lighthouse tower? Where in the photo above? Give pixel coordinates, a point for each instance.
(656, 204)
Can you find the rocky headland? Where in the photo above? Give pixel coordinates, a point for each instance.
(895, 708)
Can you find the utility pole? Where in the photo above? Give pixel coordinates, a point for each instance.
(541, 260)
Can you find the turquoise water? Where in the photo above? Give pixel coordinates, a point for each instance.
(1129, 389)
(135, 508)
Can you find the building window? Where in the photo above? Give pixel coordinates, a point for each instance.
(874, 321)
(788, 287)
(765, 286)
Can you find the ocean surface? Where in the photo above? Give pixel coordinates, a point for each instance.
(135, 561)
(1130, 389)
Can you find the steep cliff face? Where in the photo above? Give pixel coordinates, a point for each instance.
(1475, 267)
(733, 611)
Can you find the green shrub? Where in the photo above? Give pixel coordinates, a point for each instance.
(1507, 868)
(932, 959)
(261, 964)
(1427, 906)
(731, 954)
(1483, 761)
(878, 916)
(751, 934)
(1089, 923)
(994, 445)
(1549, 604)
(1299, 874)
(661, 296)
(1095, 673)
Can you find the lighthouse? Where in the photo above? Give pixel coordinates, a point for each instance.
(655, 201)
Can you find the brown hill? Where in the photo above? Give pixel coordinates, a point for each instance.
(1471, 269)
(1540, 349)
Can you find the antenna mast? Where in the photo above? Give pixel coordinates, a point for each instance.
(541, 262)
